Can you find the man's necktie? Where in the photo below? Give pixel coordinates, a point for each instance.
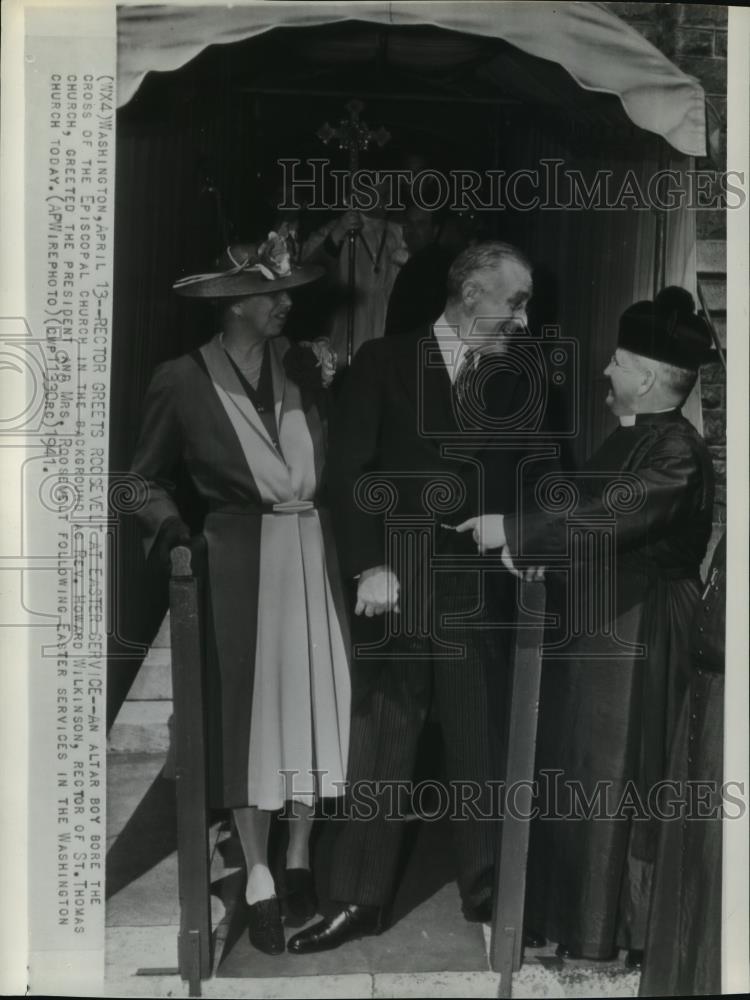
(464, 384)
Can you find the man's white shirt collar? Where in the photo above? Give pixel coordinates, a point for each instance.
(451, 346)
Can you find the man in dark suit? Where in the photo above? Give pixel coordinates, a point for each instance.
(417, 442)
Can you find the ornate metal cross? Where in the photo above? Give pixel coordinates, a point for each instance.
(353, 134)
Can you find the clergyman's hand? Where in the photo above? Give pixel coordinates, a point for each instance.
(508, 562)
(377, 592)
(532, 574)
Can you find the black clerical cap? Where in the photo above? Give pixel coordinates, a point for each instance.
(667, 329)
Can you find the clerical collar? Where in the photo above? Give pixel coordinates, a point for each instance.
(631, 419)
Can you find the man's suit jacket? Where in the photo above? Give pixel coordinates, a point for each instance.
(396, 416)
(418, 294)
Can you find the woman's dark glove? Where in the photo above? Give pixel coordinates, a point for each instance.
(173, 532)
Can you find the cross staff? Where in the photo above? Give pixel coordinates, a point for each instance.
(353, 135)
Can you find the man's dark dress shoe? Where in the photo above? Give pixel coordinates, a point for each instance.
(565, 951)
(264, 926)
(300, 902)
(634, 959)
(350, 922)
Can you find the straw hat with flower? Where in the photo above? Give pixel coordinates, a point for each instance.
(264, 269)
(252, 269)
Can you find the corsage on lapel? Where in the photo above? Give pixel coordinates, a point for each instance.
(311, 364)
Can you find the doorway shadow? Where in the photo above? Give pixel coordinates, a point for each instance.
(149, 836)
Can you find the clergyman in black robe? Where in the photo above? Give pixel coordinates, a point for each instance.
(623, 586)
(683, 945)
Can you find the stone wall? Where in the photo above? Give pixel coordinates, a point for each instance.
(694, 37)
(713, 400)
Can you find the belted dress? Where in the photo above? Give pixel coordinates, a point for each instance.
(277, 673)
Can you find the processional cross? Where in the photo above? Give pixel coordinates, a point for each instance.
(353, 135)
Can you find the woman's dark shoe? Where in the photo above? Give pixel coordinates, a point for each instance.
(300, 902)
(634, 959)
(349, 922)
(264, 926)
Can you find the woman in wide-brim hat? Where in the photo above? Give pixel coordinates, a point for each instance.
(252, 439)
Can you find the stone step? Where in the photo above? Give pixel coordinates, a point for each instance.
(162, 637)
(153, 681)
(141, 727)
(715, 294)
(720, 325)
(712, 256)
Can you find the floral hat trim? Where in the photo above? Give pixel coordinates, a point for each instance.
(272, 260)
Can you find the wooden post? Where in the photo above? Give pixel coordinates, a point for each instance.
(194, 940)
(660, 236)
(510, 887)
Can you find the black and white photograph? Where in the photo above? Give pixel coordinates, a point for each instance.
(375, 443)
